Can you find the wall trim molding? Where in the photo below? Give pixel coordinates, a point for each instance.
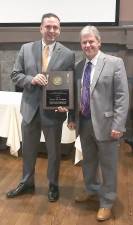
(121, 35)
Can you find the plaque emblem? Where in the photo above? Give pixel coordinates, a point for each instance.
(57, 80)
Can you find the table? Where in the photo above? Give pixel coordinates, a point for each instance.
(10, 122)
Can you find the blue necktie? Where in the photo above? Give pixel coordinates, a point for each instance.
(85, 95)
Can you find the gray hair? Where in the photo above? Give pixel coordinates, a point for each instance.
(91, 30)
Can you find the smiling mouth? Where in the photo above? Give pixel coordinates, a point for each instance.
(51, 36)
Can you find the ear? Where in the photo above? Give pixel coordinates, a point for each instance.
(99, 44)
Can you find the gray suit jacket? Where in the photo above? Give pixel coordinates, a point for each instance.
(109, 98)
(27, 65)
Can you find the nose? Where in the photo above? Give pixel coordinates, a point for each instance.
(87, 44)
(51, 29)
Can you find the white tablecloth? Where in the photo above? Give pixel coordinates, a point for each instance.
(78, 152)
(10, 122)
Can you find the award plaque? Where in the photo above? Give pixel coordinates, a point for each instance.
(59, 90)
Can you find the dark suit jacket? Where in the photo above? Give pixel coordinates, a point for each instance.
(27, 65)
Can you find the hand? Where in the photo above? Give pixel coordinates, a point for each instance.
(116, 134)
(61, 109)
(39, 79)
(71, 125)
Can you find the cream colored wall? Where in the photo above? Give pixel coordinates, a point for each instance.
(126, 11)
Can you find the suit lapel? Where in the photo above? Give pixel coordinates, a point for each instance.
(98, 70)
(55, 56)
(37, 53)
(79, 71)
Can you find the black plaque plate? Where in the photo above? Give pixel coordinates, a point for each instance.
(59, 90)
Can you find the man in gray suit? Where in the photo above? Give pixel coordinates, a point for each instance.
(101, 118)
(28, 74)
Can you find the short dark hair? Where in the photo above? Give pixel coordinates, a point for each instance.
(48, 15)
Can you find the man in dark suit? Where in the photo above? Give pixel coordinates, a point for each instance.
(28, 74)
(101, 118)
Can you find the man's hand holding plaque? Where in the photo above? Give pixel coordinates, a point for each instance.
(39, 79)
(61, 109)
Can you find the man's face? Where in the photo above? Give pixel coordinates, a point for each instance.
(50, 30)
(90, 45)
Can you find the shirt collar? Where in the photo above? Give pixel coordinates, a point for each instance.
(51, 46)
(94, 60)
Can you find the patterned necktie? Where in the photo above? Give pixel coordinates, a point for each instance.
(45, 55)
(85, 95)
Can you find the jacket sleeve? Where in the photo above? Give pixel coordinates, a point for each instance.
(121, 97)
(18, 75)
